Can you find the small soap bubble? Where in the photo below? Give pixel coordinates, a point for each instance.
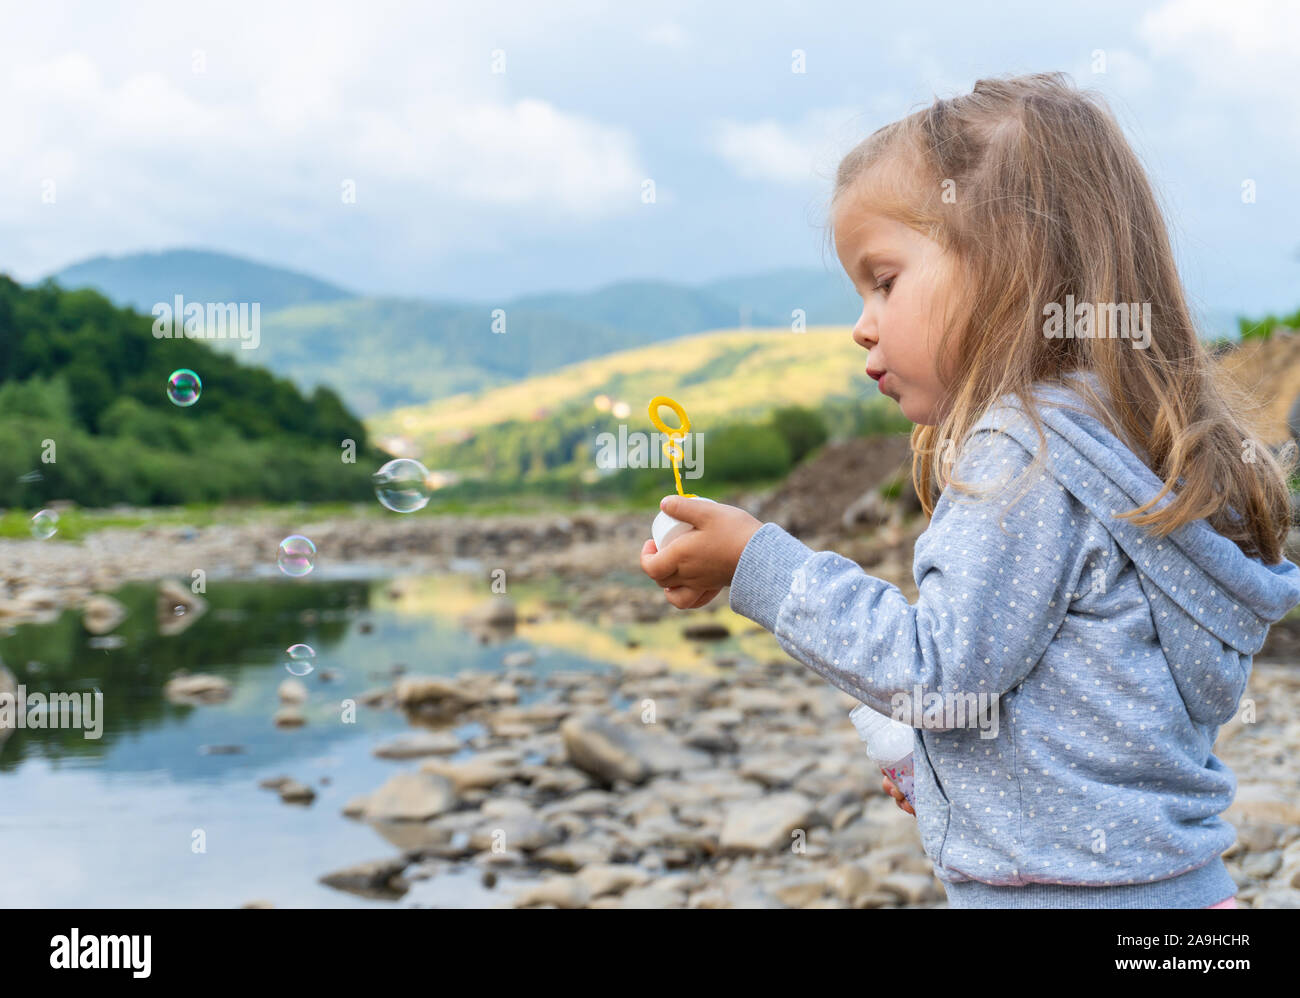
(184, 387)
(301, 660)
(402, 485)
(297, 555)
(45, 524)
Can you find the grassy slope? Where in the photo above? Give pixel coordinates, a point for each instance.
(714, 376)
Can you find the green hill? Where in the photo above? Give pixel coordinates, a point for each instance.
(91, 378)
(545, 428)
(380, 352)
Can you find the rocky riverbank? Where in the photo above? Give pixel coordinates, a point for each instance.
(745, 790)
(748, 788)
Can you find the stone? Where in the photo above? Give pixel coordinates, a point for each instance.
(356, 807)
(1262, 865)
(526, 832)
(411, 795)
(293, 792)
(200, 688)
(177, 608)
(102, 614)
(380, 875)
(293, 691)
(559, 891)
(765, 824)
(612, 878)
(1259, 802)
(576, 854)
(799, 890)
(414, 744)
(910, 888)
(288, 717)
(477, 772)
(609, 751)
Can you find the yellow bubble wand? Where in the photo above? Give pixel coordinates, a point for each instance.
(672, 448)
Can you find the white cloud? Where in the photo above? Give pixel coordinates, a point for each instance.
(804, 152)
(1239, 58)
(291, 102)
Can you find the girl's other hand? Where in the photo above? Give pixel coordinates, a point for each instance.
(888, 787)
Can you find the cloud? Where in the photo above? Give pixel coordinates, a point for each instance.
(445, 154)
(799, 153)
(1237, 58)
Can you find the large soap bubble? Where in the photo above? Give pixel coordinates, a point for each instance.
(402, 485)
(297, 555)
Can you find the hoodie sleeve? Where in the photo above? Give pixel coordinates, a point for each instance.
(991, 595)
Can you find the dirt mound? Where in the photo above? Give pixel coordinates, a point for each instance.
(815, 497)
(1270, 370)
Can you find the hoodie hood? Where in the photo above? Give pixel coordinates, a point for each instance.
(1211, 604)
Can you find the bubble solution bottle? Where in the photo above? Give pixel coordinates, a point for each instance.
(889, 744)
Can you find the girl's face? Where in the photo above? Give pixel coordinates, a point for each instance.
(901, 276)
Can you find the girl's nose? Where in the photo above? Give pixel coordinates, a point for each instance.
(864, 331)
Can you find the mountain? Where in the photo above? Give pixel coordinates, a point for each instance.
(386, 353)
(139, 280)
(826, 297)
(381, 353)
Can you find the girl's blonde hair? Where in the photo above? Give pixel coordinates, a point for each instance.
(1031, 186)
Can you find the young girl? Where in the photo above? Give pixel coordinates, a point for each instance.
(1022, 307)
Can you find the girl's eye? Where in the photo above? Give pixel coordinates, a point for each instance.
(885, 285)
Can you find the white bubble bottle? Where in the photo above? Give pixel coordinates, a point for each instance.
(889, 744)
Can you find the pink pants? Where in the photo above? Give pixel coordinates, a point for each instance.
(1229, 903)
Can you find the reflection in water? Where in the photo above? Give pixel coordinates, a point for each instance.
(165, 809)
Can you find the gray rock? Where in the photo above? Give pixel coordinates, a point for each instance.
(293, 792)
(560, 891)
(1262, 865)
(610, 751)
(380, 876)
(525, 832)
(482, 771)
(765, 824)
(197, 689)
(411, 796)
(289, 717)
(414, 744)
(293, 691)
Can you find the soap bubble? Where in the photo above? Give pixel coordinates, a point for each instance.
(301, 660)
(297, 555)
(45, 524)
(402, 485)
(183, 387)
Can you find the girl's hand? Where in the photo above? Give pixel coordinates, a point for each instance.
(888, 787)
(695, 567)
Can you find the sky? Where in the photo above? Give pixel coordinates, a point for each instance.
(489, 149)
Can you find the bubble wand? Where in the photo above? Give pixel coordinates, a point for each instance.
(667, 529)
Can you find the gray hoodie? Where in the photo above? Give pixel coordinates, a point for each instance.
(1100, 662)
